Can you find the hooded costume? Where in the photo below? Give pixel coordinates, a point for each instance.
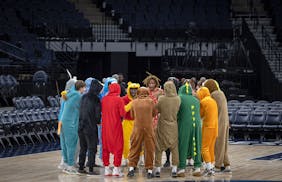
(128, 121)
(142, 110)
(69, 84)
(209, 115)
(89, 117)
(112, 134)
(167, 130)
(103, 93)
(189, 127)
(221, 144)
(70, 118)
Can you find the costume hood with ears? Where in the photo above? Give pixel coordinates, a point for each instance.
(185, 89)
(142, 92)
(88, 83)
(212, 85)
(131, 85)
(170, 89)
(108, 81)
(203, 92)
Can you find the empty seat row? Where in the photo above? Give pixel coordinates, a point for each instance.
(258, 120)
(28, 102)
(28, 125)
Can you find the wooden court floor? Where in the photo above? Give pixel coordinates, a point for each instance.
(43, 167)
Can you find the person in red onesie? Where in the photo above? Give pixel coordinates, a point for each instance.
(112, 134)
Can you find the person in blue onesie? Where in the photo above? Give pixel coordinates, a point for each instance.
(70, 119)
(69, 84)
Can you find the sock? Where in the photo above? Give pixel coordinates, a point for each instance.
(131, 168)
(150, 171)
(209, 166)
(174, 169)
(158, 169)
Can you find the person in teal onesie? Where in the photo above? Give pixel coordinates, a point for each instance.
(70, 119)
(70, 83)
(189, 130)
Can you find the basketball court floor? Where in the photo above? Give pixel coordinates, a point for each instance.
(39, 163)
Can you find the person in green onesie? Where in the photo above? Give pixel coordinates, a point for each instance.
(189, 130)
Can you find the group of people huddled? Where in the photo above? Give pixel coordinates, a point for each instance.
(186, 118)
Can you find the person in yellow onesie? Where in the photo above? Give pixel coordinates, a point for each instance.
(209, 115)
(128, 121)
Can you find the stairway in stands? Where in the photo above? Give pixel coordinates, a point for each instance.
(260, 25)
(103, 27)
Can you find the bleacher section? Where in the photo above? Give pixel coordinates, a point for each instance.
(276, 7)
(30, 122)
(8, 87)
(174, 19)
(261, 120)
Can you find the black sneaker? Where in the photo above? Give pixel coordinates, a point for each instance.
(150, 175)
(95, 165)
(81, 171)
(91, 173)
(167, 164)
(157, 174)
(130, 173)
(174, 174)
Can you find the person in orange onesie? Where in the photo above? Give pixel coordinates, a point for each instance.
(143, 110)
(209, 115)
(112, 134)
(128, 121)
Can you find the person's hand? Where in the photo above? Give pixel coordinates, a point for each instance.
(59, 127)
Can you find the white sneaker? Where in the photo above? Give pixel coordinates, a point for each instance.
(227, 169)
(71, 170)
(197, 172)
(117, 172)
(124, 162)
(217, 170)
(208, 172)
(181, 173)
(62, 166)
(108, 171)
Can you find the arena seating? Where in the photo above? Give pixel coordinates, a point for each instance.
(255, 118)
(46, 18)
(8, 87)
(169, 18)
(30, 121)
(276, 7)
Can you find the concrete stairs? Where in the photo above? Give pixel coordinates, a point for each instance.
(274, 54)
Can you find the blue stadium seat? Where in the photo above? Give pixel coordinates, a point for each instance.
(273, 120)
(257, 120)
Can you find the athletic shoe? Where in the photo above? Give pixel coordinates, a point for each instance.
(181, 173)
(197, 172)
(130, 173)
(71, 170)
(108, 171)
(227, 169)
(117, 172)
(157, 174)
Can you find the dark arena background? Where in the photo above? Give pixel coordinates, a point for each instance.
(236, 42)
